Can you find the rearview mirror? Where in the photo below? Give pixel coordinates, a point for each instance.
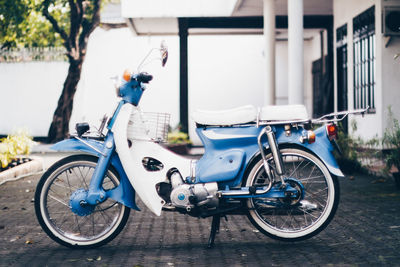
(164, 53)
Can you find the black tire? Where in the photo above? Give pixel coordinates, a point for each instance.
(52, 197)
(307, 217)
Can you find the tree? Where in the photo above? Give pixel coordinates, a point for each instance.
(23, 25)
(68, 23)
(84, 17)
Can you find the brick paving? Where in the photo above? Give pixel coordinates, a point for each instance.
(365, 232)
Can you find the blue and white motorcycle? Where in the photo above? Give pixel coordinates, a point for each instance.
(267, 164)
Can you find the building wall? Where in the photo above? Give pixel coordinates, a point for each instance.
(109, 54)
(390, 78)
(28, 95)
(224, 72)
(30, 91)
(312, 52)
(387, 69)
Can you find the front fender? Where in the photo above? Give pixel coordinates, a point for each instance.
(124, 192)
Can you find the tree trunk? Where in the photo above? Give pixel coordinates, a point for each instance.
(84, 18)
(59, 128)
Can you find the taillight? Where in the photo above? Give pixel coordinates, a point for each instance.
(331, 130)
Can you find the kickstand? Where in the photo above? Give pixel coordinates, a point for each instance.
(214, 229)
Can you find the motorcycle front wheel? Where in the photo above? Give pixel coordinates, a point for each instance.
(289, 219)
(98, 226)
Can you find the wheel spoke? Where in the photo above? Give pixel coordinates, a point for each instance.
(308, 213)
(66, 187)
(59, 201)
(69, 184)
(103, 214)
(313, 178)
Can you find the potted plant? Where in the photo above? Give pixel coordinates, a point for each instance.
(178, 141)
(391, 140)
(13, 147)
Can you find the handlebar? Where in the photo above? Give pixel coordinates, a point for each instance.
(144, 77)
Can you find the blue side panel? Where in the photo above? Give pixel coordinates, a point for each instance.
(124, 192)
(226, 147)
(221, 166)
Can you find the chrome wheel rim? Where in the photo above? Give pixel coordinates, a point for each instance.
(307, 214)
(56, 210)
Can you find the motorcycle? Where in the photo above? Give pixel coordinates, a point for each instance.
(268, 164)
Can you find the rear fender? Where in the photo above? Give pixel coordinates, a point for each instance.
(321, 148)
(124, 192)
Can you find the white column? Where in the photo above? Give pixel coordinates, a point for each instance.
(295, 55)
(269, 52)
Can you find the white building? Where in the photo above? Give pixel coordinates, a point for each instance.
(232, 60)
(348, 36)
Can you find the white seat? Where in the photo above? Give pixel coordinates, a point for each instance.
(284, 113)
(227, 117)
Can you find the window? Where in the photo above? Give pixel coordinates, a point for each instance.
(364, 60)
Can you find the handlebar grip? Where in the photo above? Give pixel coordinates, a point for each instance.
(144, 77)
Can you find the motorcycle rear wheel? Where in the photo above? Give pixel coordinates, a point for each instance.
(52, 205)
(300, 219)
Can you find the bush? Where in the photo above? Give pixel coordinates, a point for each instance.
(391, 139)
(13, 146)
(177, 137)
(357, 155)
(347, 160)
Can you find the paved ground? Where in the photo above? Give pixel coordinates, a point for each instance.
(365, 232)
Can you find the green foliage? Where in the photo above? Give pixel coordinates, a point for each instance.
(177, 137)
(348, 159)
(23, 25)
(355, 150)
(391, 139)
(14, 145)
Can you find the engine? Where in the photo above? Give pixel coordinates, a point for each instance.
(188, 196)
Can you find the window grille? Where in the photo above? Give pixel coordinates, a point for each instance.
(364, 60)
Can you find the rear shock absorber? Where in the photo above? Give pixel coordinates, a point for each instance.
(275, 153)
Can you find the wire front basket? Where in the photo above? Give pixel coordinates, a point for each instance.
(148, 126)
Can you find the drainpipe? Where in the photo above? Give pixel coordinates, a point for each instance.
(269, 52)
(183, 71)
(295, 53)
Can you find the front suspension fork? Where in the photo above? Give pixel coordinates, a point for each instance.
(96, 193)
(276, 154)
